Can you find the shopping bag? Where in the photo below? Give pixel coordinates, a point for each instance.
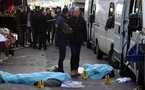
(136, 53)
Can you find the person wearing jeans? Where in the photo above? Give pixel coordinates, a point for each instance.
(61, 38)
(79, 37)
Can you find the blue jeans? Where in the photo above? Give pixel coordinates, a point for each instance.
(62, 54)
(21, 35)
(28, 35)
(75, 56)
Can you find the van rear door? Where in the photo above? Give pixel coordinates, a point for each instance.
(121, 29)
(110, 32)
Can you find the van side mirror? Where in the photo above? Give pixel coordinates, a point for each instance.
(92, 18)
(110, 22)
(134, 22)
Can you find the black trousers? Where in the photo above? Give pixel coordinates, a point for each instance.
(75, 56)
(53, 33)
(42, 40)
(35, 37)
(22, 36)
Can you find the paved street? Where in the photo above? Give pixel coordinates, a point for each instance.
(28, 60)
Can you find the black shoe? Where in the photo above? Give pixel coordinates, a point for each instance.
(35, 47)
(39, 48)
(58, 70)
(11, 52)
(45, 48)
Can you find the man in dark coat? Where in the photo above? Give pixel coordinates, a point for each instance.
(79, 36)
(23, 22)
(35, 26)
(42, 28)
(61, 38)
(49, 23)
(57, 13)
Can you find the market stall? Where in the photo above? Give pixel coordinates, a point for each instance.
(7, 43)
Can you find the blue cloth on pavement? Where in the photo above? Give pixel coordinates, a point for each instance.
(33, 77)
(97, 71)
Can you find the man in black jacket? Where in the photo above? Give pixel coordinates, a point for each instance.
(57, 13)
(35, 26)
(79, 36)
(49, 23)
(42, 28)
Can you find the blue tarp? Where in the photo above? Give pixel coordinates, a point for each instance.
(33, 77)
(97, 71)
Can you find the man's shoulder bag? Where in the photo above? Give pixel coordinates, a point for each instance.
(66, 29)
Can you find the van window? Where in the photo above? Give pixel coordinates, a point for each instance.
(94, 9)
(111, 10)
(119, 8)
(135, 6)
(138, 6)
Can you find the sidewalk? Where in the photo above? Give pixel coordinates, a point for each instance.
(25, 60)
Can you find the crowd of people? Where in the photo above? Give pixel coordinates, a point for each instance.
(31, 25)
(36, 27)
(42, 26)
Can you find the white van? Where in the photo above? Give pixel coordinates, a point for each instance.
(129, 30)
(98, 35)
(114, 27)
(77, 3)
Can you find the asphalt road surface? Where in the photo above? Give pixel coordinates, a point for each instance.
(28, 60)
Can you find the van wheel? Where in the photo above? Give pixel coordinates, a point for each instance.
(88, 44)
(99, 53)
(114, 63)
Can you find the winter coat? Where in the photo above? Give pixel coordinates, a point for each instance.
(62, 38)
(78, 26)
(42, 24)
(35, 20)
(49, 21)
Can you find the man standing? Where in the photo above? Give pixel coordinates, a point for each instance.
(61, 38)
(79, 36)
(42, 28)
(35, 26)
(23, 22)
(57, 12)
(49, 23)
